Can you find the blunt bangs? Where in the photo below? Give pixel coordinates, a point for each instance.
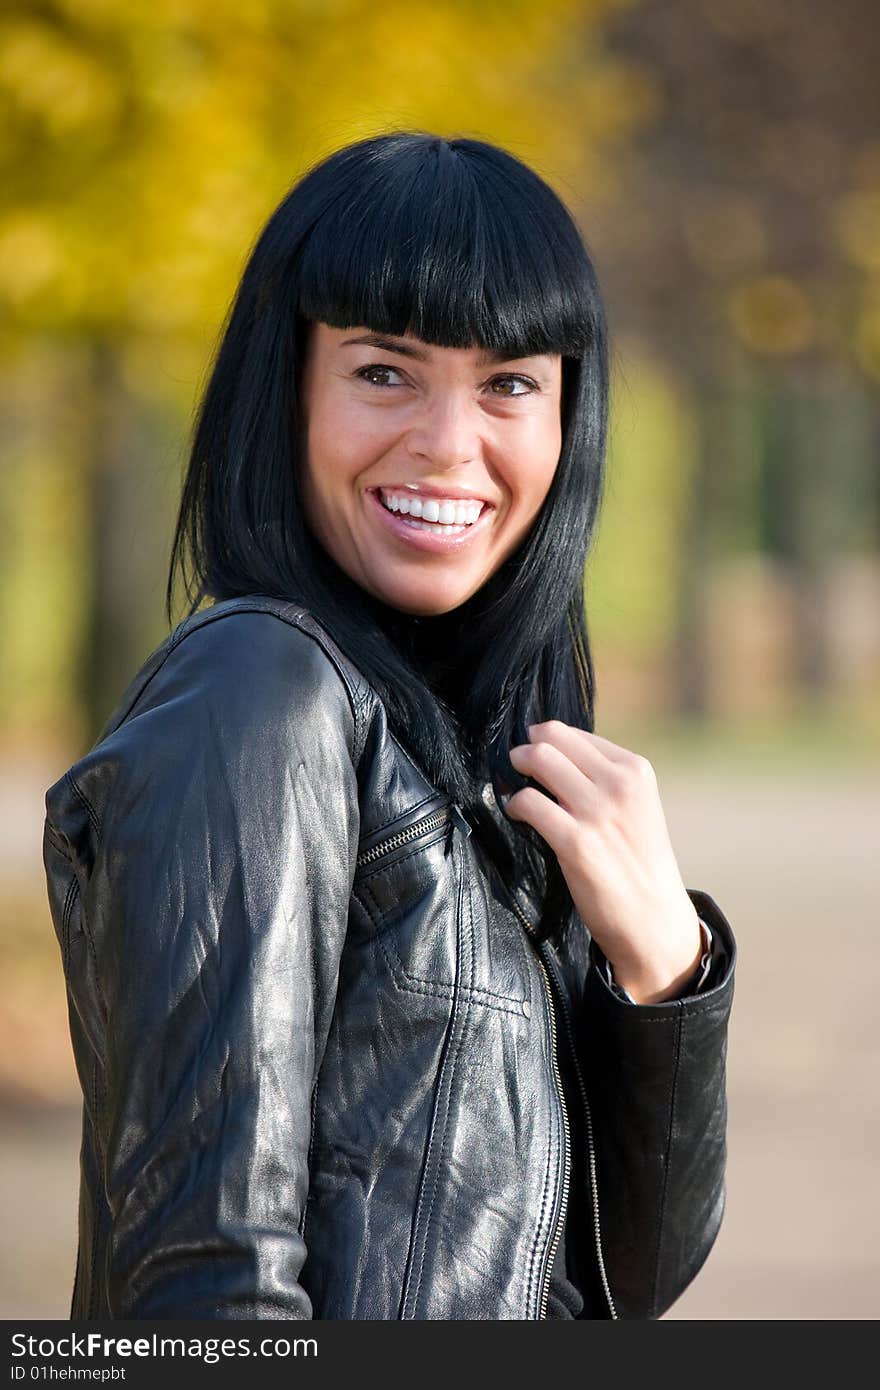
(455, 242)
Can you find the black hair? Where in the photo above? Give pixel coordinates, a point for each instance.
(459, 243)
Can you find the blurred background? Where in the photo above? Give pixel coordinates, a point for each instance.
(723, 159)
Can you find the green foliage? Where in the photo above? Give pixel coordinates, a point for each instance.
(142, 146)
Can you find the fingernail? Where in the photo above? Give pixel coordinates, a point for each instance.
(504, 798)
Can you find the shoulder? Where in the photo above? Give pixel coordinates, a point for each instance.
(258, 656)
(241, 693)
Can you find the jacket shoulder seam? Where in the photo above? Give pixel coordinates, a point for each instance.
(83, 800)
(294, 615)
(356, 700)
(56, 839)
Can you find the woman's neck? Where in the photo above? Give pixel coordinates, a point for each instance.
(434, 645)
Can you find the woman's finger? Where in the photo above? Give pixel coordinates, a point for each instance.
(546, 763)
(613, 751)
(583, 749)
(553, 823)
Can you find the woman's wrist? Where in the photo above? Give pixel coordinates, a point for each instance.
(650, 986)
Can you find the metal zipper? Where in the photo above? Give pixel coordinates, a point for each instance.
(411, 832)
(550, 1254)
(591, 1150)
(566, 1167)
(424, 826)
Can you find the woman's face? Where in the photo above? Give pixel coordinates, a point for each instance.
(395, 426)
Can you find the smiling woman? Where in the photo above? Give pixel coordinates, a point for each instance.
(400, 435)
(386, 994)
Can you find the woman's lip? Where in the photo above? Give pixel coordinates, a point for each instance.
(426, 490)
(431, 541)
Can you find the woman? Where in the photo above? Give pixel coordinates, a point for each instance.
(357, 1037)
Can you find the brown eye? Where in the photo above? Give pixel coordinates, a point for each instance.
(376, 369)
(512, 381)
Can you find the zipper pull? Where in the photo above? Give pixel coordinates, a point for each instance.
(456, 818)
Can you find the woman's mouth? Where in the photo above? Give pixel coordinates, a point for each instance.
(444, 524)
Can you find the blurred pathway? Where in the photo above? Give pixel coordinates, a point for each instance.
(793, 862)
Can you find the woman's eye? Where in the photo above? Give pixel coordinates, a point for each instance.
(506, 382)
(376, 374)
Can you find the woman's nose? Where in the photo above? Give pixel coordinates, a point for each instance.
(447, 431)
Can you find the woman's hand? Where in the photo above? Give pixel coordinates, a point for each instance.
(609, 835)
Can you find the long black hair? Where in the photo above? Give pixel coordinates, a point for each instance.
(459, 243)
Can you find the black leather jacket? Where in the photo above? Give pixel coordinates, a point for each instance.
(323, 1063)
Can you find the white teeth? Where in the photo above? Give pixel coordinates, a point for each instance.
(439, 528)
(448, 511)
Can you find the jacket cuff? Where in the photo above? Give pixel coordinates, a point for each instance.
(655, 1077)
(719, 973)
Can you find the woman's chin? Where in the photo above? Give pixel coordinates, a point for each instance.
(424, 602)
(424, 610)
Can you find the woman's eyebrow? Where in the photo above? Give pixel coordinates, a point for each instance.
(377, 340)
(387, 345)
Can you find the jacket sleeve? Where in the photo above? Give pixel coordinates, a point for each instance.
(214, 836)
(656, 1083)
